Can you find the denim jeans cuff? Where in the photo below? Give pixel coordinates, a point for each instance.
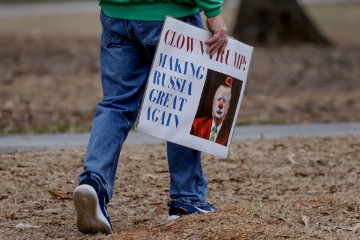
(187, 201)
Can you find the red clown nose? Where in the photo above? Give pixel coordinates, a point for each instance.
(221, 104)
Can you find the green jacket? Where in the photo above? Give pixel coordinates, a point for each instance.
(156, 10)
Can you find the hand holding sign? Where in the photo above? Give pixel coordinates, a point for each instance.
(218, 42)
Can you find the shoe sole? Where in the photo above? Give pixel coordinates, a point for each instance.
(172, 218)
(90, 219)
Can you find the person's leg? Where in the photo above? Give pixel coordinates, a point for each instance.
(188, 185)
(187, 180)
(124, 69)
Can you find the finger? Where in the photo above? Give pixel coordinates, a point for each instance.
(215, 49)
(214, 52)
(220, 45)
(212, 47)
(213, 40)
(223, 46)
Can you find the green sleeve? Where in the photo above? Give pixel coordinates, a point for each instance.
(211, 8)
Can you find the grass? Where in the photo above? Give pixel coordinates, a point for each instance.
(61, 128)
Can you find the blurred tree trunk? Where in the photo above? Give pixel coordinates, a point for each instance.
(274, 22)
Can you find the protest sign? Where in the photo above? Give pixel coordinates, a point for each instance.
(191, 98)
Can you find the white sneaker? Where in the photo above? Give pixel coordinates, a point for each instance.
(91, 210)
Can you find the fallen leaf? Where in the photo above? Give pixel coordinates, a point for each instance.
(12, 216)
(23, 225)
(305, 220)
(151, 176)
(291, 159)
(322, 227)
(301, 174)
(349, 229)
(67, 196)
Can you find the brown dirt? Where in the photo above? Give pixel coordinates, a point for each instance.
(49, 76)
(267, 189)
(48, 85)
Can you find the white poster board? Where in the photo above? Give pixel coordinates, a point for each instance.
(180, 94)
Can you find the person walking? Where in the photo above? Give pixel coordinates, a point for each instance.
(130, 32)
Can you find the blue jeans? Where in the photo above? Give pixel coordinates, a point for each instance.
(127, 50)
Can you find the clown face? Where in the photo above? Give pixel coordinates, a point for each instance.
(221, 103)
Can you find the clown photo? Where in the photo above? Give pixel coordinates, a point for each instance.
(216, 111)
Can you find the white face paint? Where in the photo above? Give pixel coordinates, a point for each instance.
(221, 103)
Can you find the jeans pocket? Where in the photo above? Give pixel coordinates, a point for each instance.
(149, 31)
(106, 32)
(113, 29)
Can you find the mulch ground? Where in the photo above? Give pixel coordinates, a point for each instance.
(289, 188)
